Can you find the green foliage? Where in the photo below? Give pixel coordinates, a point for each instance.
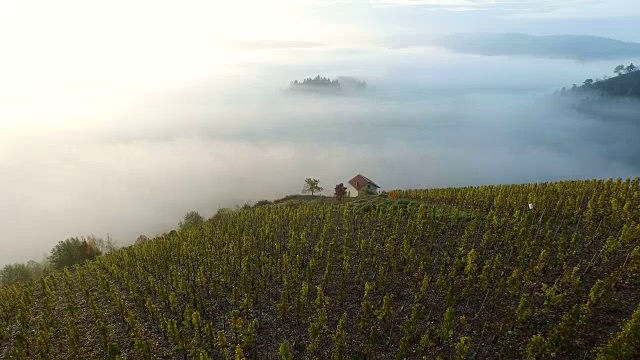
(340, 339)
(366, 307)
(427, 341)
(513, 282)
(239, 353)
(262, 203)
(301, 301)
(448, 324)
(572, 278)
(285, 351)
(73, 251)
(191, 219)
(15, 273)
(105, 246)
(634, 262)
(535, 347)
(626, 344)
(471, 266)
(551, 294)
(367, 192)
(385, 312)
(417, 277)
(311, 186)
(462, 348)
(318, 327)
(524, 312)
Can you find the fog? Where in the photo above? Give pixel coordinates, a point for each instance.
(116, 160)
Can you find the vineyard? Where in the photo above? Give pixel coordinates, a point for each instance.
(458, 273)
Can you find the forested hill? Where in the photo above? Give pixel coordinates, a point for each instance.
(623, 85)
(609, 99)
(343, 83)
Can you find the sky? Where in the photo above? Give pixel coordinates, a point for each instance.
(119, 117)
(103, 43)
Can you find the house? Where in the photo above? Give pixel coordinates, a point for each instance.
(363, 185)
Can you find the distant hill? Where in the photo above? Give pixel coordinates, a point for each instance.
(579, 47)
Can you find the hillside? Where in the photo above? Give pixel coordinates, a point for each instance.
(611, 99)
(464, 273)
(622, 85)
(579, 47)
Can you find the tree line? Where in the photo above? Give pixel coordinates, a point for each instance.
(67, 253)
(621, 69)
(317, 81)
(618, 70)
(77, 250)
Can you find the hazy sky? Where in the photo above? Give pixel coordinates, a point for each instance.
(106, 44)
(119, 117)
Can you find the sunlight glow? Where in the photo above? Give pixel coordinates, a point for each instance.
(61, 58)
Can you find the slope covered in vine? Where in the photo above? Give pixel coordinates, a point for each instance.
(456, 273)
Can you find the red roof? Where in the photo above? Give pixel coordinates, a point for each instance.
(361, 181)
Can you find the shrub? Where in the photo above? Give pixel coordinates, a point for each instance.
(192, 218)
(262, 203)
(340, 191)
(15, 273)
(141, 239)
(73, 251)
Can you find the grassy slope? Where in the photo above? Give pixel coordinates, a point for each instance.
(467, 272)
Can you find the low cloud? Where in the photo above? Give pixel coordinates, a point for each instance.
(428, 119)
(272, 44)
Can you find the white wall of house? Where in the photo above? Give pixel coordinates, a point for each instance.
(354, 192)
(371, 188)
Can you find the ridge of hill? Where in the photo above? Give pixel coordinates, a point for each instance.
(582, 47)
(547, 270)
